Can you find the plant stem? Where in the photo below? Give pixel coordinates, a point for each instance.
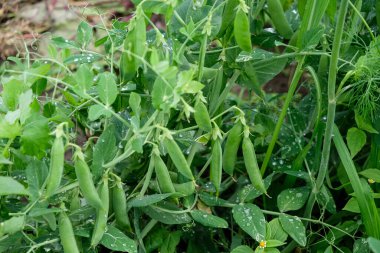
(331, 106)
(289, 96)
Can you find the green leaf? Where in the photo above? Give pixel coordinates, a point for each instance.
(242, 249)
(84, 79)
(35, 136)
(356, 140)
(104, 151)
(294, 227)
(96, 111)
(352, 206)
(162, 94)
(213, 200)
(8, 130)
(364, 124)
(12, 89)
(292, 199)
(274, 243)
(147, 200)
(36, 173)
(107, 88)
(373, 174)
(329, 250)
(82, 58)
(208, 220)
(326, 200)
(166, 217)
(360, 246)
(134, 102)
(250, 218)
(374, 244)
(116, 240)
(84, 34)
(61, 42)
(10, 186)
(275, 231)
(170, 242)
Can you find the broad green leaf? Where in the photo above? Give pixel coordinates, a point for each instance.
(162, 94)
(373, 174)
(312, 37)
(275, 231)
(255, 55)
(292, 199)
(166, 217)
(329, 250)
(274, 243)
(84, 34)
(250, 218)
(8, 130)
(12, 89)
(356, 140)
(35, 136)
(65, 43)
(249, 192)
(360, 246)
(271, 250)
(242, 249)
(364, 124)
(147, 200)
(208, 220)
(84, 80)
(107, 88)
(10, 186)
(374, 244)
(116, 240)
(352, 206)
(96, 111)
(82, 58)
(211, 200)
(25, 101)
(170, 242)
(104, 151)
(294, 227)
(134, 102)
(36, 173)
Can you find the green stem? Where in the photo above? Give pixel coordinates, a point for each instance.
(202, 55)
(333, 69)
(289, 96)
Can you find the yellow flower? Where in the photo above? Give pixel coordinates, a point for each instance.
(371, 181)
(263, 244)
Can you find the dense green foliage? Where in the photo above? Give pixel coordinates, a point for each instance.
(136, 139)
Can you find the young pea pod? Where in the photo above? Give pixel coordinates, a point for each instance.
(119, 201)
(56, 166)
(162, 173)
(12, 225)
(177, 157)
(278, 18)
(66, 234)
(101, 213)
(216, 165)
(202, 118)
(86, 184)
(231, 148)
(250, 162)
(242, 31)
(228, 15)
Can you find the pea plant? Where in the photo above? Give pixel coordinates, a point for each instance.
(131, 138)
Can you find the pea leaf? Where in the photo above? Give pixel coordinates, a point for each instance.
(292, 198)
(208, 220)
(275, 231)
(10, 186)
(35, 136)
(107, 88)
(170, 242)
(104, 151)
(96, 111)
(250, 218)
(8, 130)
(242, 249)
(294, 227)
(36, 173)
(212, 200)
(84, 34)
(61, 42)
(84, 79)
(148, 200)
(116, 240)
(373, 174)
(364, 124)
(356, 140)
(82, 58)
(166, 217)
(374, 244)
(352, 206)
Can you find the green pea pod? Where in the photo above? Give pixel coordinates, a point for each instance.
(251, 165)
(66, 234)
(177, 157)
(242, 31)
(56, 166)
(101, 213)
(231, 148)
(12, 225)
(278, 18)
(86, 184)
(119, 200)
(216, 165)
(201, 116)
(228, 15)
(163, 176)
